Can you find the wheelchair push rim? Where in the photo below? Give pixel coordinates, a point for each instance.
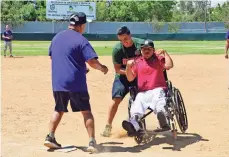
(181, 114)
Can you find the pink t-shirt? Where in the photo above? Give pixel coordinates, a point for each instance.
(150, 73)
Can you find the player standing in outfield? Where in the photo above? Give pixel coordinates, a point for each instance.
(126, 49)
(7, 36)
(69, 50)
(227, 45)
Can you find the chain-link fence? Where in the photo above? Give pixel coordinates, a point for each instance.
(135, 27)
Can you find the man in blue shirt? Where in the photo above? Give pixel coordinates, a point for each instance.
(69, 50)
(7, 36)
(227, 45)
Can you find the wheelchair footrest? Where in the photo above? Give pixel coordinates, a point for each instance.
(158, 130)
(139, 133)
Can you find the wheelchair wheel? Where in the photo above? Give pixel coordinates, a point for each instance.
(138, 139)
(180, 114)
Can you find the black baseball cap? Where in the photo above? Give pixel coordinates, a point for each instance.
(148, 43)
(78, 18)
(123, 30)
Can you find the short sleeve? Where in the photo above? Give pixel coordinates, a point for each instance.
(116, 57)
(140, 42)
(227, 35)
(88, 52)
(4, 33)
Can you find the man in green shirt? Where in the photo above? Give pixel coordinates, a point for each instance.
(128, 48)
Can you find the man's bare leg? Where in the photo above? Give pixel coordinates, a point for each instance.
(113, 110)
(53, 124)
(90, 126)
(111, 114)
(89, 123)
(5, 48)
(10, 47)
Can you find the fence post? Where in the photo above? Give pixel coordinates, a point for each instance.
(53, 27)
(88, 31)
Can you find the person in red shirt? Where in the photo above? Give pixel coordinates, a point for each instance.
(148, 69)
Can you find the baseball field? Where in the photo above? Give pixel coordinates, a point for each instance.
(200, 72)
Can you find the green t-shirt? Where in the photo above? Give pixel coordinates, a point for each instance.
(121, 54)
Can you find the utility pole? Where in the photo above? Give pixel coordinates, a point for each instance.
(209, 10)
(205, 14)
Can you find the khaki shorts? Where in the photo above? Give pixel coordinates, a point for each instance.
(8, 44)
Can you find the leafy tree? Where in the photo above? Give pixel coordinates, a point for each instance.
(16, 12)
(131, 11)
(190, 11)
(220, 12)
(11, 12)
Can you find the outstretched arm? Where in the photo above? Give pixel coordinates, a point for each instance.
(119, 70)
(94, 63)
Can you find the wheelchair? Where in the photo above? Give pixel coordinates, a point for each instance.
(175, 108)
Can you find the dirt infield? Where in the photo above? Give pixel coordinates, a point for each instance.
(27, 105)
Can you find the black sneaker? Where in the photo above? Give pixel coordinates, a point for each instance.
(51, 143)
(128, 126)
(11, 56)
(163, 122)
(92, 147)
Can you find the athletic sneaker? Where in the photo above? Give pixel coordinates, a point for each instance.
(107, 131)
(11, 56)
(92, 147)
(163, 122)
(51, 143)
(128, 126)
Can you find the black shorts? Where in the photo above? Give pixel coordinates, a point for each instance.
(121, 86)
(79, 101)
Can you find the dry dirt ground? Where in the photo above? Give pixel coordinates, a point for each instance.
(27, 105)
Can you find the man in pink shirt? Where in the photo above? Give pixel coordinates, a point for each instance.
(151, 86)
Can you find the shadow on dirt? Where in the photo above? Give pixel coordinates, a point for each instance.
(14, 57)
(182, 141)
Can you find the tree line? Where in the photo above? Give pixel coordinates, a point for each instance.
(16, 12)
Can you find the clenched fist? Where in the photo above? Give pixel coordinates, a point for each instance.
(160, 52)
(130, 63)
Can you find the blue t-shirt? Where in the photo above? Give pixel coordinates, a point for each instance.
(69, 51)
(7, 33)
(227, 35)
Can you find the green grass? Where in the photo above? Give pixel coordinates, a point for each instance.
(104, 48)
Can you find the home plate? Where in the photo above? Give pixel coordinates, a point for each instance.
(65, 149)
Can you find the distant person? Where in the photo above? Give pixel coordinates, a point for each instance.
(227, 45)
(128, 48)
(69, 51)
(7, 36)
